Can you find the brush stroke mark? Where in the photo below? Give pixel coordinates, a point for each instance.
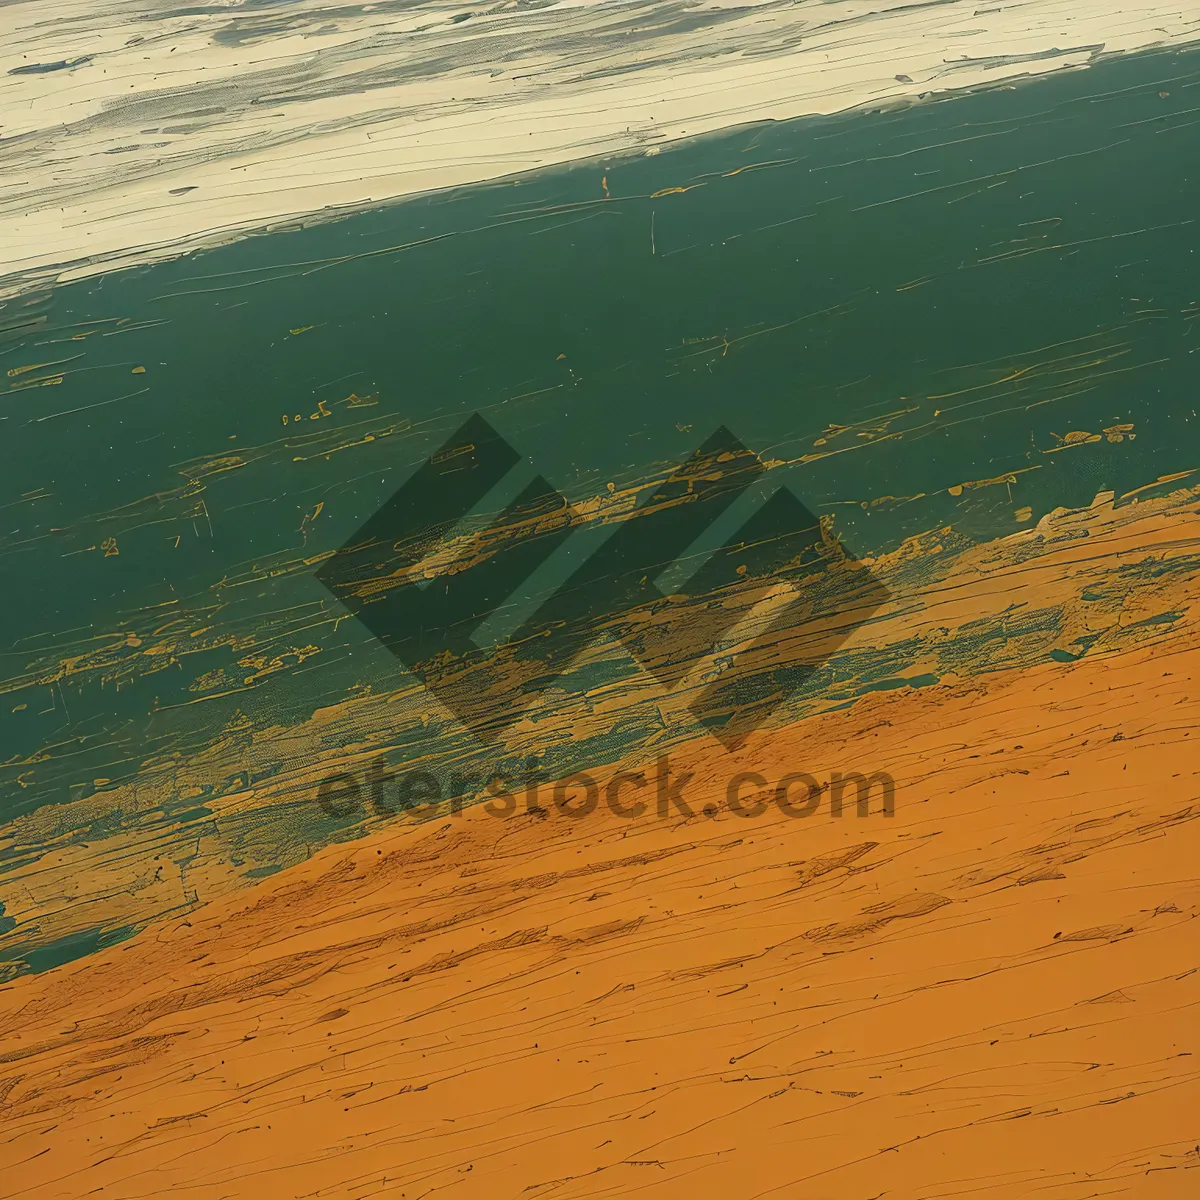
(992, 991)
(1092, 585)
(176, 685)
(390, 99)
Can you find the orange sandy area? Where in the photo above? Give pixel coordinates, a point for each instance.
(990, 994)
(1104, 576)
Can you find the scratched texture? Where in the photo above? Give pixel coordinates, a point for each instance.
(961, 329)
(135, 128)
(938, 327)
(991, 994)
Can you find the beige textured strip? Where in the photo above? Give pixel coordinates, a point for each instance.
(134, 130)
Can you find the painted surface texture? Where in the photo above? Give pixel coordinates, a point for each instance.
(960, 328)
(138, 128)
